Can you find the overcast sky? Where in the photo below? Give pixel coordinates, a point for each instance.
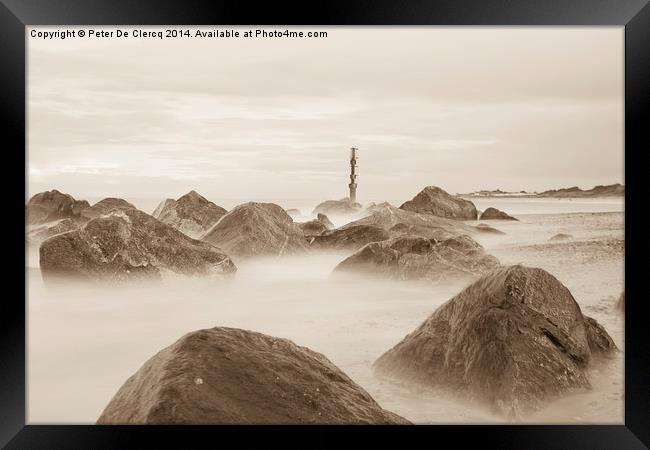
(461, 108)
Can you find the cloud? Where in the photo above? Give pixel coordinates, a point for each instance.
(516, 108)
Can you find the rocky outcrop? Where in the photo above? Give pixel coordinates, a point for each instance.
(317, 226)
(53, 205)
(433, 200)
(191, 214)
(257, 229)
(313, 228)
(106, 206)
(484, 228)
(514, 339)
(560, 237)
(40, 233)
(495, 214)
(129, 244)
(322, 218)
(399, 222)
(338, 207)
(418, 258)
(349, 238)
(232, 376)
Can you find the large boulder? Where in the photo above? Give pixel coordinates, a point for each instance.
(338, 207)
(313, 228)
(232, 376)
(128, 244)
(41, 232)
(418, 258)
(514, 339)
(53, 205)
(317, 226)
(257, 229)
(495, 214)
(106, 206)
(322, 218)
(399, 222)
(349, 238)
(192, 214)
(435, 201)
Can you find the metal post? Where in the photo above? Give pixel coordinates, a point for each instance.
(353, 175)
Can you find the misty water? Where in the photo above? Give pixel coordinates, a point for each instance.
(84, 342)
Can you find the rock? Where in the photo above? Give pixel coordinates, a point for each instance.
(349, 238)
(495, 214)
(106, 206)
(620, 305)
(313, 228)
(418, 258)
(484, 228)
(257, 229)
(338, 207)
(191, 214)
(322, 218)
(317, 226)
(514, 339)
(49, 229)
(129, 244)
(561, 237)
(53, 205)
(399, 222)
(231, 376)
(374, 207)
(433, 200)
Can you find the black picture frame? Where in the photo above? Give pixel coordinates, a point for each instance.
(634, 15)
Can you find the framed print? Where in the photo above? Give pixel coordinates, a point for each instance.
(361, 218)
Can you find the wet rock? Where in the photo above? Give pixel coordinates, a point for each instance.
(231, 376)
(257, 229)
(317, 226)
(191, 214)
(313, 228)
(129, 244)
(418, 258)
(338, 207)
(399, 222)
(106, 206)
(41, 232)
(495, 214)
(349, 238)
(435, 201)
(53, 205)
(322, 218)
(514, 339)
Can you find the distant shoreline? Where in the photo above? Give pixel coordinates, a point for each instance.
(558, 197)
(609, 191)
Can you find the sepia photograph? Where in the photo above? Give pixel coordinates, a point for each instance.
(325, 225)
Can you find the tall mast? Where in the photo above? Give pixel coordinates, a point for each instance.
(353, 175)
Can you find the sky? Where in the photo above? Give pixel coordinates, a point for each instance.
(462, 108)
